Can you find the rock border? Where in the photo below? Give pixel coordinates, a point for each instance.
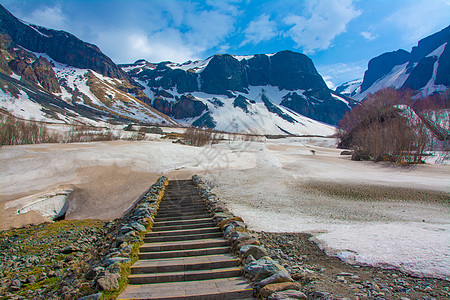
(110, 273)
(269, 279)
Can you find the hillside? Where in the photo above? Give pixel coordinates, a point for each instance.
(53, 76)
(426, 69)
(276, 93)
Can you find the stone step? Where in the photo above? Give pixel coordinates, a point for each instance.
(187, 214)
(184, 275)
(182, 209)
(182, 203)
(184, 253)
(180, 218)
(190, 237)
(213, 289)
(203, 224)
(184, 264)
(179, 222)
(183, 245)
(183, 232)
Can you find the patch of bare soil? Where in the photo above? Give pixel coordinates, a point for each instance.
(325, 277)
(107, 192)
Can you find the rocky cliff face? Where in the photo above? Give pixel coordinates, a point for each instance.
(244, 81)
(426, 69)
(59, 45)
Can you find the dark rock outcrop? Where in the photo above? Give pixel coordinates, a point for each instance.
(45, 75)
(187, 107)
(59, 45)
(424, 59)
(382, 65)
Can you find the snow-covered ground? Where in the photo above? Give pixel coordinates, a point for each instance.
(275, 185)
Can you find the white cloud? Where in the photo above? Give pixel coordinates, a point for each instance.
(418, 19)
(369, 35)
(178, 31)
(261, 29)
(336, 74)
(324, 20)
(50, 17)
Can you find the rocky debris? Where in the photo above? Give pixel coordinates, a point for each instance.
(290, 266)
(73, 259)
(325, 277)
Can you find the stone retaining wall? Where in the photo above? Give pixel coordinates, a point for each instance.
(267, 276)
(110, 273)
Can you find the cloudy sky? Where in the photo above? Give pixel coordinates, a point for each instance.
(340, 36)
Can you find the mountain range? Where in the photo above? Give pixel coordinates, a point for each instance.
(425, 70)
(53, 76)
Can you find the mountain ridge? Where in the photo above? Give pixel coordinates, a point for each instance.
(425, 70)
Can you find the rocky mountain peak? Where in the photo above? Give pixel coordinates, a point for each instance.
(59, 45)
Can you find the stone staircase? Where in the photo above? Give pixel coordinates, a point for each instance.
(185, 256)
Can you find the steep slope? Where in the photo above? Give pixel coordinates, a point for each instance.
(214, 92)
(59, 45)
(59, 78)
(426, 69)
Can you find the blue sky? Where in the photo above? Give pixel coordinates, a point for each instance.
(340, 36)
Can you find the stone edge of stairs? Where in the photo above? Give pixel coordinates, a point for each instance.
(223, 218)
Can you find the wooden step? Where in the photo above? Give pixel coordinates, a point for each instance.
(179, 222)
(183, 245)
(213, 289)
(178, 218)
(183, 232)
(184, 275)
(204, 224)
(190, 237)
(184, 253)
(184, 264)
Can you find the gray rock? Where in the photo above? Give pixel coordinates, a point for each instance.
(249, 259)
(288, 294)
(109, 282)
(139, 227)
(117, 259)
(31, 279)
(262, 269)
(280, 276)
(16, 284)
(69, 249)
(97, 296)
(255, 251)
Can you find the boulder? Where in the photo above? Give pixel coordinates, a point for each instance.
(225, 222)
(261, 269)
(288, 294)
(255, 251)
(269, 289)
(109, 282)
(280, 276)
(96, 296)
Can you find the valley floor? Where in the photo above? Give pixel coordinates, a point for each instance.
(362, 212)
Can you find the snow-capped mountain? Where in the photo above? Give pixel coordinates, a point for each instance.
(280, 91)
(349, 88)
(426, 69)
(53, 76)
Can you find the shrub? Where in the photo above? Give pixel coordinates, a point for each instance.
(385, 127)
(200, 137)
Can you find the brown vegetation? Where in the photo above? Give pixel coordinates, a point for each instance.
(200, 137)
(18, 132)
(385, 127)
